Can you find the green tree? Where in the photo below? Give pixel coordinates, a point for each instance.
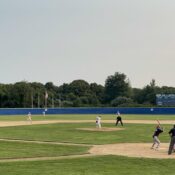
(121, 101)
(165, 90)
(148, 94)
(98, 93)
(5, 97)
(79, 87)
(20, 94)
(117, 85)
(38, 94)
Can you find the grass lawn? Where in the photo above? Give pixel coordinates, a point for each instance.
(103, 165)
(99, 165)
(21, 150)
(69, 133)
(86, 117)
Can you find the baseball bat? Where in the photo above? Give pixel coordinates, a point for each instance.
(158, 122)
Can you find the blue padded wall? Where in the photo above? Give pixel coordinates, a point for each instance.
(16, 111)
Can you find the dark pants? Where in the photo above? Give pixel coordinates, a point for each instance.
(119, 121)
(171, 146)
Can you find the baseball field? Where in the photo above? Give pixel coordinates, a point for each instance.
(72, 145)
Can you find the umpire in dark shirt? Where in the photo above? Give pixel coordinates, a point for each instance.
(118, 119)
(172, 142)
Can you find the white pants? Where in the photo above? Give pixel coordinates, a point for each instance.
(98, 125)
(29, 119)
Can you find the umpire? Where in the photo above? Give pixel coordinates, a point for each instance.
(118, 119)
(172, 142)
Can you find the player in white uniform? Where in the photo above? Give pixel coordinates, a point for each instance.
(98, 122)
(29, 117)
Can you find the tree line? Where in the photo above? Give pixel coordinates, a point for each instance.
(117, 91)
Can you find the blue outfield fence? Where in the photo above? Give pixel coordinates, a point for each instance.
(24, 111)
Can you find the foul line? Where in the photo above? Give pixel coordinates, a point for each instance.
(44, 142)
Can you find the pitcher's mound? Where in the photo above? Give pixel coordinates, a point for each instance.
(133, 150)
(101, 129)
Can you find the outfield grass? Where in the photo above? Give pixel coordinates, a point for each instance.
(103, 165)
(69, 133)
(86, 117)
(21, 150)
(97, 165)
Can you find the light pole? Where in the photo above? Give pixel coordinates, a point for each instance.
(32, 99)
(52, 102)
(38, 101)
(46, 97)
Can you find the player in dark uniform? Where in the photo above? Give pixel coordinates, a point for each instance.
(172, 142)
(155, 137)
(118, 119)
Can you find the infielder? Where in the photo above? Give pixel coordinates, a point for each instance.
(172, 142)
(98, 122)
(156, 140)
(29, 117)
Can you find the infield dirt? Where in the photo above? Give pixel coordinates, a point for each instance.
(20, 123)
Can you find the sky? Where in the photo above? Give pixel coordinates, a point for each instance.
(64, 40)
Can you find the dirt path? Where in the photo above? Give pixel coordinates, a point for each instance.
(141, 150)
(133, 150)
(43, 122)
(103, 129)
